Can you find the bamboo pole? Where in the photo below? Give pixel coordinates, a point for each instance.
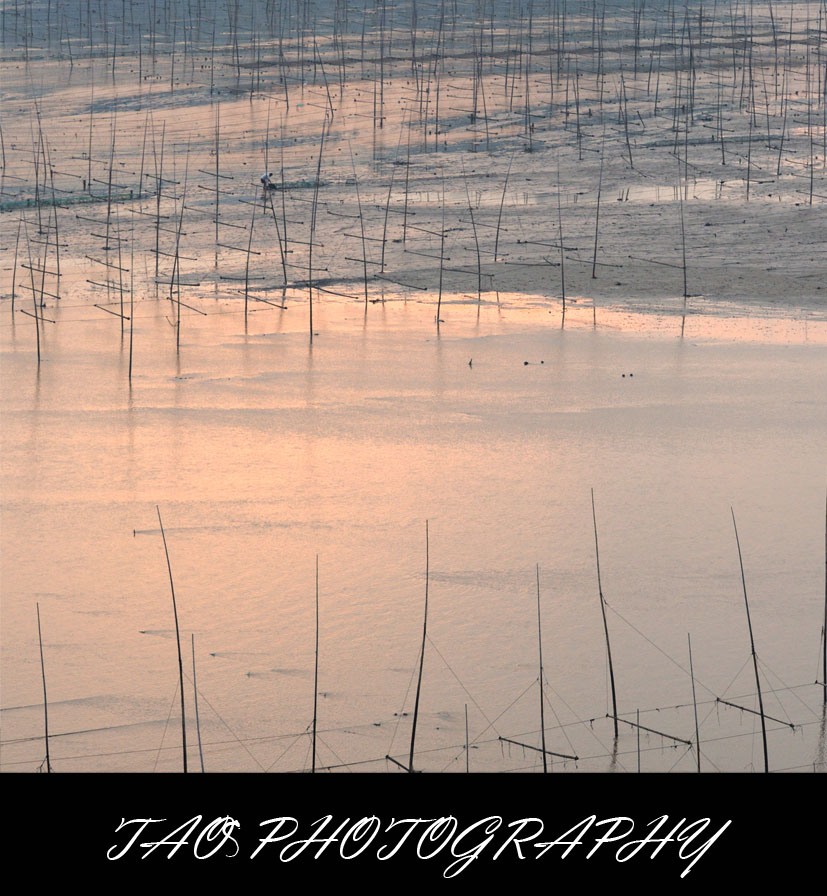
(407, 178)
(178, 642)
(217, 152)
(752, 648)
(34, 299)
(562, 252)
(542, 709)
(605, 624)
(683, 250)
(422, 653)
(45, 701)
(362, 226)
(476, 239)
(597, 214)
(313, 227)
(467, 745)
(160, 185)
(316, 671)
(247, 262)
(502, 202)
(195, 698)
(14, 265)
(131, 290)
(441, 254)
(694, 704)
(176, 264)
(637, 717)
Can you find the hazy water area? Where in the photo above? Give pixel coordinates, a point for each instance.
(262, 452)
(531, 310)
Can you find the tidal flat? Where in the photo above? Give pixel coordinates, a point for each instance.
(517, 258)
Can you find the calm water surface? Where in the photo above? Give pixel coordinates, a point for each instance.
(263, 453)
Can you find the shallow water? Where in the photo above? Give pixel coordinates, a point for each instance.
(262, 453)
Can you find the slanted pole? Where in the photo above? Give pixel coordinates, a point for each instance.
(178, 641)
(45, 701)
(605, 624)
(316, 671)
(422, 653)
(752, 648)
(694, 703)
(540, 642)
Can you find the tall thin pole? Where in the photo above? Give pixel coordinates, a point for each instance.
(562, 251)
(45, 702)
(694, 703)
(160, 184)
(467, 744)
(197, 719)
(597, 214)
(407, 177)
(683, 245)
(34, 299)
(441, 252)
(316, 672)
(178, 641)
(14, 267)
(824, 633)
(502, 203)
(313, 228)
(637, 716)
(422, 653)
(247, 265)
(605, 624)
(362, 225)
(752, 648)
(217, 150)
(131, 290)
(540, 642)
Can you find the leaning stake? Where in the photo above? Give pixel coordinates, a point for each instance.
(313, 229)
(421, 655)
(195, 697)
(178, 641)
(540, 641)
(694, 703)
(605, 624)
(752, 648)
(45, 702)
(316, 672)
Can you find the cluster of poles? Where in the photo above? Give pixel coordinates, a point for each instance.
(497, 77)
(521, 71)
(409, 767)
